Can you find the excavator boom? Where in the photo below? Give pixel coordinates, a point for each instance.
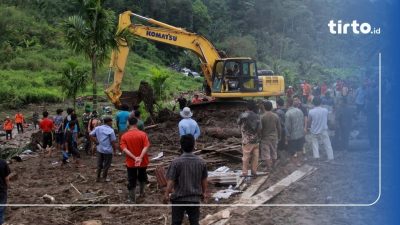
(225, 77)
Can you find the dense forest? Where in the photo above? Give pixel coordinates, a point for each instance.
(291, 37)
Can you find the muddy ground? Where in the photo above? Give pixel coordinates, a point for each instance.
(351, 178)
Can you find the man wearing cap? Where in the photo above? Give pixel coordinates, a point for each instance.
(106, 145)
(289, 92)
(188, 125)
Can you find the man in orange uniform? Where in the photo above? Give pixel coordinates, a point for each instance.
(135, 143)
(8, 127)
(306, 92)
(19, 120)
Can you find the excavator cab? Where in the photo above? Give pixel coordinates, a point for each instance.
(235, 75)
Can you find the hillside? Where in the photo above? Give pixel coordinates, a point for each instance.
(33, 56)
(297, 45)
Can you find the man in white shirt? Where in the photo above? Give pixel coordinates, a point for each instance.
(318, 118)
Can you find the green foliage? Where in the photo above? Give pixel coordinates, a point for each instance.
(20, 87)
(21, 29)
(158, 79)
(189, 60)
(201, 19)
(74, 80)
(138, 69)
(287, 36)
(240, 46)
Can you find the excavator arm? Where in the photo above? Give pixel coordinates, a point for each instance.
(162, 33)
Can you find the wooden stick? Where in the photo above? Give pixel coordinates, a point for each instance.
(76, 189)
(150, 127)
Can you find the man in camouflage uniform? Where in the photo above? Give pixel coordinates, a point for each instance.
(250, 126)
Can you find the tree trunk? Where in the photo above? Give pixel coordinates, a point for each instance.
(74, 102)
(222, 133)
(94, 80)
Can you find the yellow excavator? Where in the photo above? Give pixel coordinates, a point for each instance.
(225, 78)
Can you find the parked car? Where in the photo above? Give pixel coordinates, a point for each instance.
(265, 73)
(185, 71)
(190, 73)
(194, 74)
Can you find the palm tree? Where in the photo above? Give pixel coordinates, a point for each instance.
(74, 79)
(91, 33)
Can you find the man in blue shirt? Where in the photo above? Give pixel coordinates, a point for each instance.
(188, 125)
(106, 145)
(122, 119)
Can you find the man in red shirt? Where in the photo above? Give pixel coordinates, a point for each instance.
(196, 99)
(47, 127)
(135, 143)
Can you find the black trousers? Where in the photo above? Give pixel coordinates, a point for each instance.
(104, 161)
(8, 134)
(282, 142)
(47, 139)
(343, 138)
(134, 174)
(20, 127)
(179, 211)
(88, 142)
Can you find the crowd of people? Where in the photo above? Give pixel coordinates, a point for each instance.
(61, 133)
(319, 117)
(266, 128)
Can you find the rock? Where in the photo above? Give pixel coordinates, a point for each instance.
(92, 222)
(13, 176)
(112, 209)
(48, 198)
(121, 180)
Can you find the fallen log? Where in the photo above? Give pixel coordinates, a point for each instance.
(150, 127)
(223, 133)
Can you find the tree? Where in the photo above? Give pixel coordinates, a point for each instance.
(158, 79)
(240, 46)
(201, 19)
(91, 33)
(74, 80)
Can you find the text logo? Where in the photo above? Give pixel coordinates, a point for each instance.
(355, 27)
(162, 36)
